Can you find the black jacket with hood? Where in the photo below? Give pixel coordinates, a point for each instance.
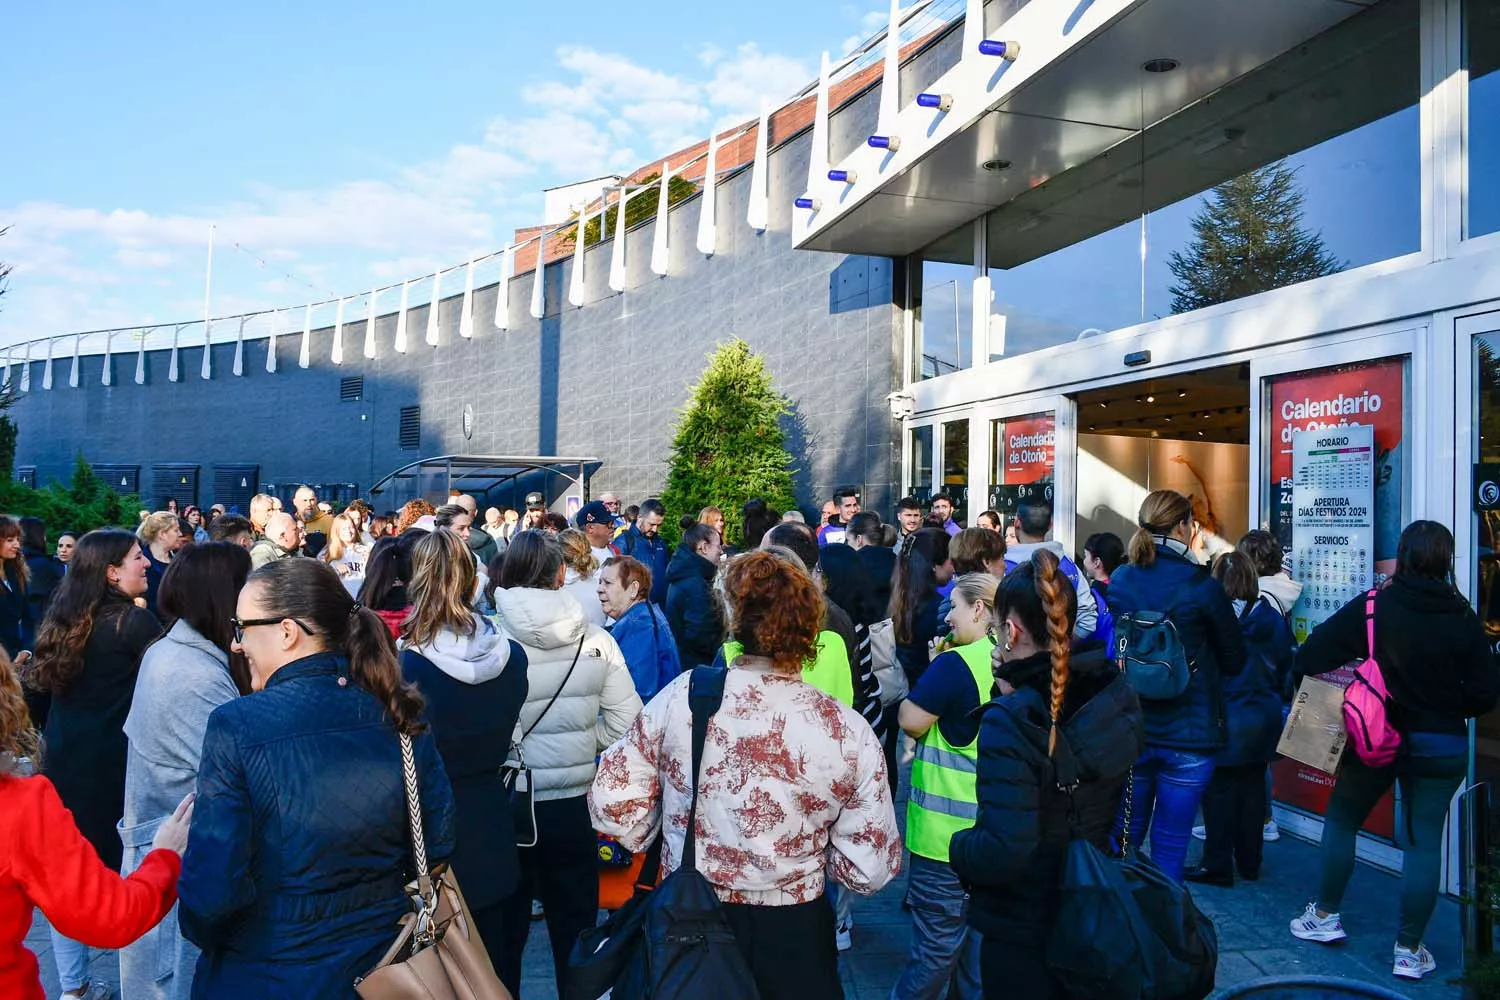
(1431, 647)
(1012, 857)
(691, 609)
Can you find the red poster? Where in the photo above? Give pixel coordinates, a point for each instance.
(1030, 443)
(1370, 394)
(1332, 397)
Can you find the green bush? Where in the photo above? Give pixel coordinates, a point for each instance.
(729, 446)
(639, 207)
(83, 505)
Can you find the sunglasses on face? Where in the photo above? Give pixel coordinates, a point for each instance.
(240, 625)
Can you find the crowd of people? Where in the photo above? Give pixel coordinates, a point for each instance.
(201, 720)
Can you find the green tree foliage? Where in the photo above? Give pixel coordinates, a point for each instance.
(639, 207)
(83, 505)
(729, 445)
(1248, 237)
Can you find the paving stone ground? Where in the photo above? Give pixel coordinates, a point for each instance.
(1251, 920)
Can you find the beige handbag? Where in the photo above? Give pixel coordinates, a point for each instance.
(438, 954)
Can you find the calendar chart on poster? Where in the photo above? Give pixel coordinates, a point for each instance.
(1333, 520)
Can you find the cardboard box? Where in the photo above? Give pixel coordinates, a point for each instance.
(1314, 733)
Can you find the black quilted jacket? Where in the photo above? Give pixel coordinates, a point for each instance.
(1010, 860)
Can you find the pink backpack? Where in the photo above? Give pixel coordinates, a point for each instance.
(1366, 705)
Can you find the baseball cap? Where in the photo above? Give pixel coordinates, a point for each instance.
(593, 512)
(534, 501)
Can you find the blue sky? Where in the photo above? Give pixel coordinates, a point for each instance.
(344, 144)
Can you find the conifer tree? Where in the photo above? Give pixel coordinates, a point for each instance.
(1249, 237)
(729, 445)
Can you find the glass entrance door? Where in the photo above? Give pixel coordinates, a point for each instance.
(1025, 454)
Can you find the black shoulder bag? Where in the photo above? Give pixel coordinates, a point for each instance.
(515, 776)
(672, 941)
(1124, 930)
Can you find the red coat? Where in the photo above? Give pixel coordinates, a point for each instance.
(46, 863)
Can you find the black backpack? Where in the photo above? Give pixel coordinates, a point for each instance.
(672, 942)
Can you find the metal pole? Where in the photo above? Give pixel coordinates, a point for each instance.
(208, 285)
(1477, 923)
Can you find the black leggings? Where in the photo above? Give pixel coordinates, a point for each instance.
(562, 871)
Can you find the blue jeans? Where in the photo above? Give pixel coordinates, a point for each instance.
(72, 960)
(944, 950)
(1164, 796)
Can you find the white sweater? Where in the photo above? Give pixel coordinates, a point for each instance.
(595, 708)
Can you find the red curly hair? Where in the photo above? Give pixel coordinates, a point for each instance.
(411, 512)
(775, 609)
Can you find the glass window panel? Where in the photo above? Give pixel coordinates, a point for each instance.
(956, 466)
(921, 462)
(944, 295)
(1485, 501)
(1022, 462)
(1482, 58)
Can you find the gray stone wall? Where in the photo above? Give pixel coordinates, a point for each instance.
(604, 380)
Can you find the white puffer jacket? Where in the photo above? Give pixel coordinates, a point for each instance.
(595, 708)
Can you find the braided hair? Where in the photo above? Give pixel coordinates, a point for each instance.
(1044, 602)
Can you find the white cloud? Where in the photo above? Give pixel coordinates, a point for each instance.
(83, 267)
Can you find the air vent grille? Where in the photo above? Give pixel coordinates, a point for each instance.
(411, 428)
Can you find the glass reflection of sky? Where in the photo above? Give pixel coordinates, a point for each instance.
(1362, 192)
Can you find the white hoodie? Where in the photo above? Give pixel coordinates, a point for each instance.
(468, 659)
(594, 707)
(1088, 608)
(1282, 590)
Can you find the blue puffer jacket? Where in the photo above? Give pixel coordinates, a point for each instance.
(645, 639)
(1252, 698)
(299, 852)
(1194, 720)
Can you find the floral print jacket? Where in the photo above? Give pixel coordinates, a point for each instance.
(793, 785)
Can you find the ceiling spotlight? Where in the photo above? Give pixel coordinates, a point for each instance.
(1160, 65)
(1181, 393)
(1150, 399)
(995, 166)
(1103, 406)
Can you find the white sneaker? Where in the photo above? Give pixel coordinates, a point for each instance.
(536, 910)
(1311, 927)
(1270, 833)
(843, 936)
(1200, 833)
(1413, 964)
(95, 990)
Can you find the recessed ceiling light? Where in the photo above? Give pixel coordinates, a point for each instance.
(1150, 399)
(1160, 65)
(1181, 393)
(995, 166)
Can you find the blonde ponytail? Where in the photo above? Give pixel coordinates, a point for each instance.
(1049, 587)
(1161, 511)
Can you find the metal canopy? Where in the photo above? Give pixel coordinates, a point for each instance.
(483, 473)
(1072, 134)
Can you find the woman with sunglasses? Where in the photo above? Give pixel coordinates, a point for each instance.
(295, 873)
(1183, 734)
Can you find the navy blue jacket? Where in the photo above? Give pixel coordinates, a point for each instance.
(653, 553)
(1253, 697)
(692, 611)
(293, 879)
(473, 724)
(1205, 620)
(1011, 858)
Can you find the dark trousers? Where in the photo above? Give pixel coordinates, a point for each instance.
(1234, 811)
(1427, 786)
(562, 871)
(891, 742)
(1010, 969)
(790, 949)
